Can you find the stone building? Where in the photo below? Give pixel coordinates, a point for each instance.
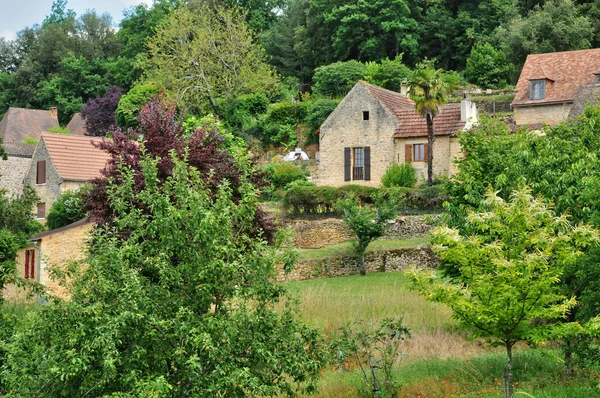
(18, 125)
(373, 128)
(53, 248)
(549, 84)
(62, 163)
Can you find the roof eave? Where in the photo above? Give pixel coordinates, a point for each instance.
(542, 103)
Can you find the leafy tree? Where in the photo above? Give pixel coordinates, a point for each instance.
(99, 113)
(206, 56)
(177, 301)
(335, 80)
(387, 73)
(67, 209)
(366, 223)
(429, 88)
(510, 268)
(487, 67)
(556, 26)
(131, 104)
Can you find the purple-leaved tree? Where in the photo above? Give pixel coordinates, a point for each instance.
(99, 112)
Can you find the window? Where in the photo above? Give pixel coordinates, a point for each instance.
(41, 210)
(365, 115)
(419, 151)
(30, 264)
(359, 164)
(538, 90)
(41, 172)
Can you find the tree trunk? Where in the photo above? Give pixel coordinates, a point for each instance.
(430, 140)
(363, 268)
(509, 378)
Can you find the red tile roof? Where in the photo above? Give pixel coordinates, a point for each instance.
(566, 72)
(392, 100)
(412, 124)
(75, 158)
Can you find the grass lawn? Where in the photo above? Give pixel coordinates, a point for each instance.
(345, 248)
(439, 361)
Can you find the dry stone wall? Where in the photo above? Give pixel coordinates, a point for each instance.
(321, 232)
(377, 261)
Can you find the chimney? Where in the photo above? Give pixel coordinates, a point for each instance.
(54, 112)
(404, 89)
(468, 112)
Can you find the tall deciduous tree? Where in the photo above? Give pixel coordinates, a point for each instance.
(99, 113)
(207, 55)
(510, 270)
(429, 89)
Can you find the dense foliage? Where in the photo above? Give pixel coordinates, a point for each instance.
(399, 175)
(67, 209)
(99, 113)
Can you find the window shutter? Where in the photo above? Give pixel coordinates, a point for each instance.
(26, 264)
(41, 210)
(408, 153)
(426, 152)
(347, 164)
(367, 163)
(41, 172)
(32, 264)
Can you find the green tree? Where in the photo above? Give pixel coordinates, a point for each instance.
(166, 312)
(335, 80)
(206, 56)
(387, 73)
(487, 67)
(429, 88)
(132, 103)
(510, 271)
(367, 223)
(67, 209)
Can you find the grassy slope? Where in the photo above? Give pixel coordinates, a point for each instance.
(438, 361)
(345, 248)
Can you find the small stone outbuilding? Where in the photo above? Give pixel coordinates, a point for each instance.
(372, 128)
(63, 163)
(53, 248)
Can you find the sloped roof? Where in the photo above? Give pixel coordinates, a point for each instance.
(412, 124)
(83, 221)
(392, 100)
(77, 125)
(19, 150)
(565, 71)
(586, 94)
(75, 158)
(19, 123)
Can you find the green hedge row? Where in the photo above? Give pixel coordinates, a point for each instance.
(321, 200)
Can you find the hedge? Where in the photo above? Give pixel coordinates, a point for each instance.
(321, 200)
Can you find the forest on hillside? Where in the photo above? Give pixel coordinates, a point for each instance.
(282, 50)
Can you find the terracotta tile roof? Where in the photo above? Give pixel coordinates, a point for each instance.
(19, 150)
(392, 100)
(412, 124)
(77, 125)
(75, 158)
(19, 123)
(586, 94)
(565, 71)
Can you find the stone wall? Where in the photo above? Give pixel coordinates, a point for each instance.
(50, 190)
(12, 174)
(377, 261)
(445, 149)
(315, 232)
(548, 114)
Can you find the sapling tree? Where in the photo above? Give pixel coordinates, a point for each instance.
(367, 223)
(510, 266)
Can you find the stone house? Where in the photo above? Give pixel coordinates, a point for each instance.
(62, 163)
(372, 128)
(16, 126)
(51, 248)
(550, 83)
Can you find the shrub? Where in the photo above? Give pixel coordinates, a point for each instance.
(59, 130)
(363, 193)
(67, 209)
(282, 174)
(318, 112)
(399, 175)
(132, 103)
(241, 113)
(311, 200)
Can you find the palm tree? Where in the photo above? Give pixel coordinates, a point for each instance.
(428, 88)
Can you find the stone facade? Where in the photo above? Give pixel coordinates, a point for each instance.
(315, 233)
(13, 172)
(445, 150)
(377, 261)
(542, 114)
(345, 128)
(54, 248)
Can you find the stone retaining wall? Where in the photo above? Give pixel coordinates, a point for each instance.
(377, 261)
(322, 232)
